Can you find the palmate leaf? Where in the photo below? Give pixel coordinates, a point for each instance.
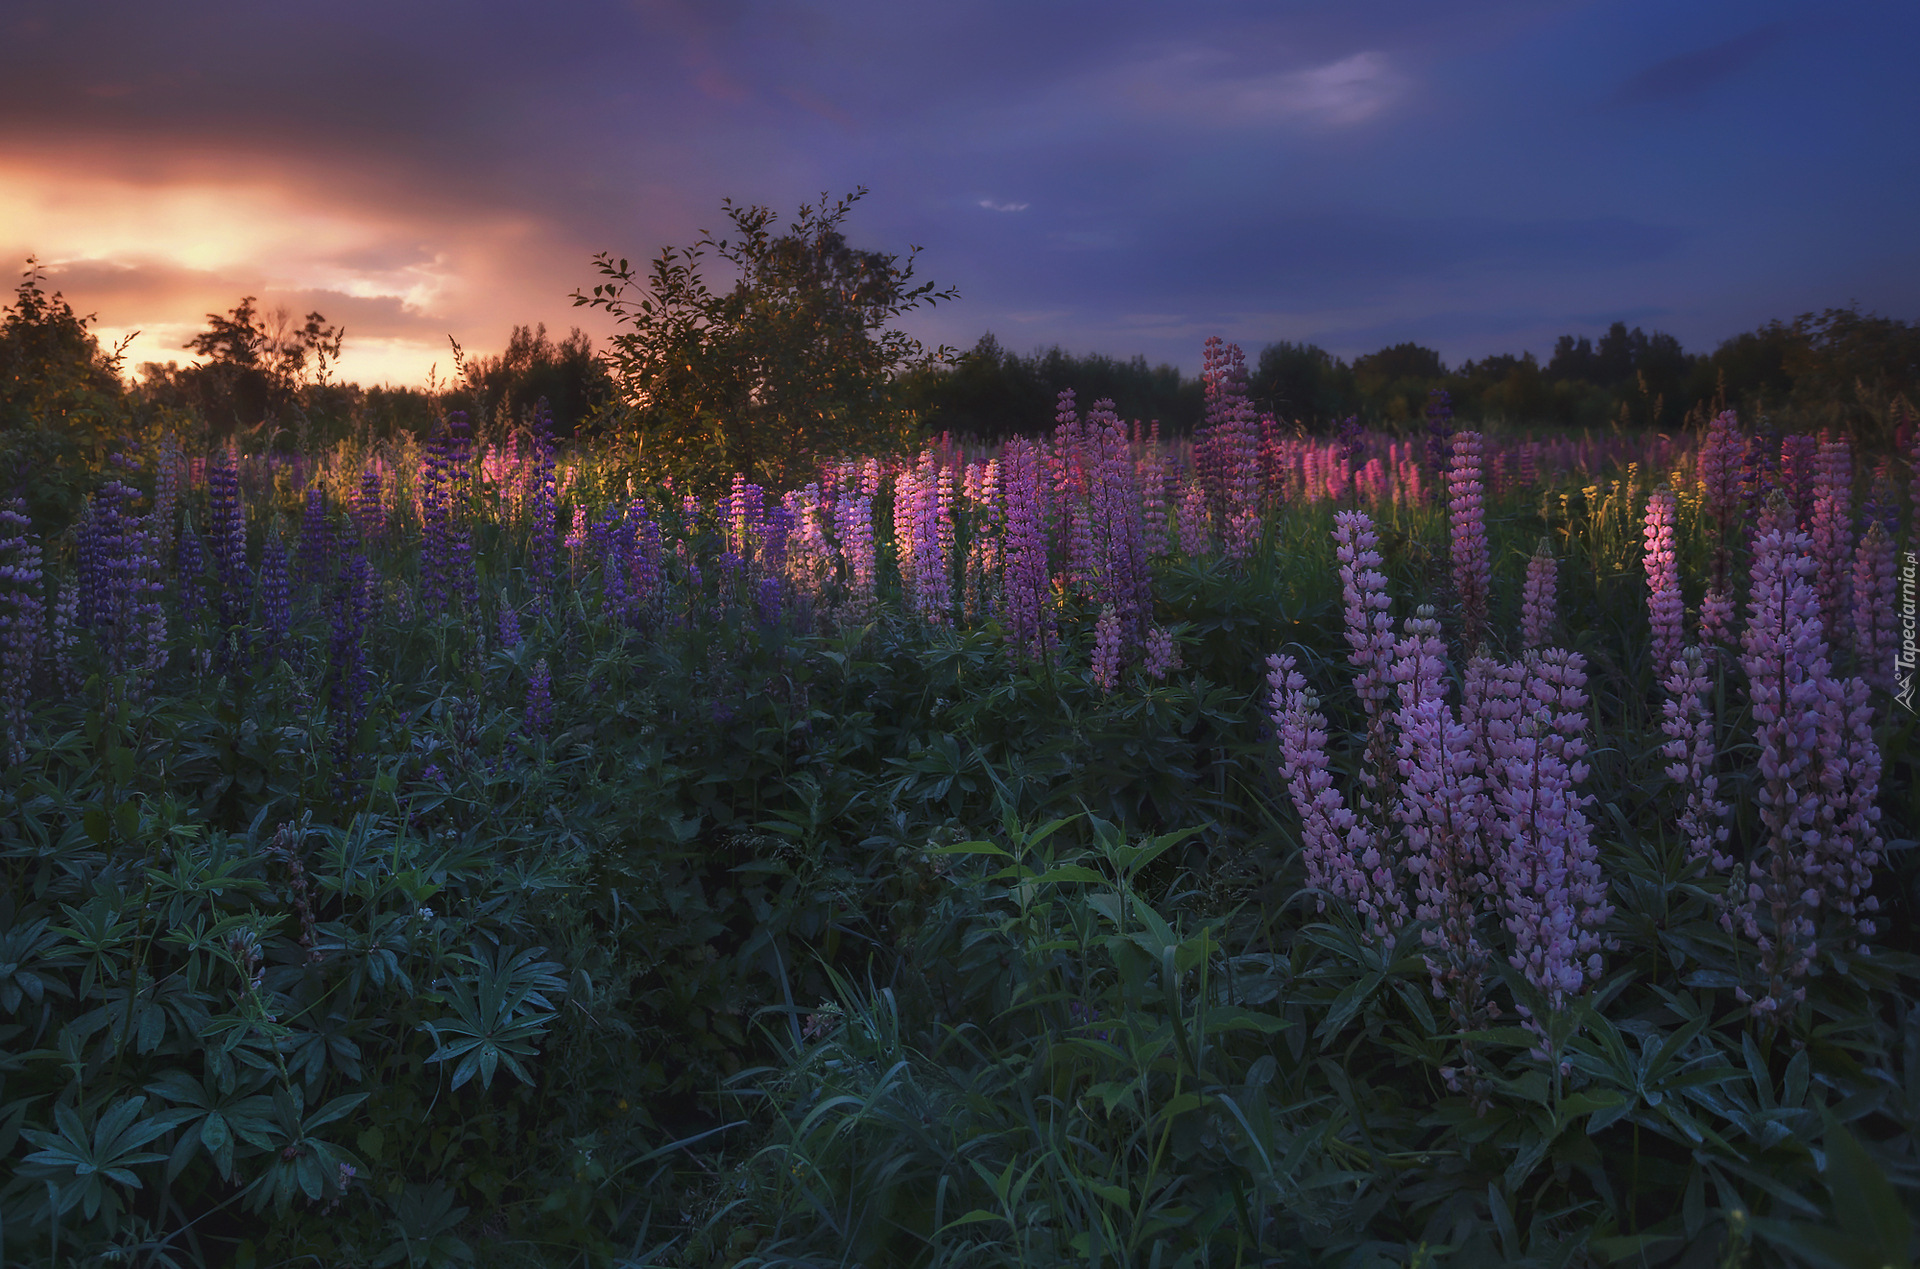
(76, 1160)
(494, 1018)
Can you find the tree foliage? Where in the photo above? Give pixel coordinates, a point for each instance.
(796, 360)
(256, 366)
(991, 392)
(61, 401)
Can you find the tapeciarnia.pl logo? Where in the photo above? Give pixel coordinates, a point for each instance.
(1904, 659)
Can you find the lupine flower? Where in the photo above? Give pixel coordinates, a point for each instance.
(276, 607)
(1472, 567)
(1121, 577)
(1875, 641)
(1666, 607)
(1820, 771)
(980, 487)
(1538, 602)
(1227, 450)
(1831, 530)
(1345, 855)
(22, 627)
(509, 623)
(539, 712)
(1162, 655)
(853, 526)
(1552, 897)
(66, 638)
(1196, 535)
(119, 595)
(1799, 456)
(347, 646)
(316, 541)
(227, 527)
(1109, 646)
(370, 507)
(448, 582)
(190, 568)
(1689, 751)
(1369, 631)
(1026, 584)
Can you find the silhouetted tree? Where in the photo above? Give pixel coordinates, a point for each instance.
(62, 405)
(575, 385)
(794, 362)
(256, 365)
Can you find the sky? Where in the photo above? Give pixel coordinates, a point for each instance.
(1115, 177)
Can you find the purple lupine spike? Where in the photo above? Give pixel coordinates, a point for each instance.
(1162, 655)
(276, 601)
(1472, 566)
(1109, 648)
(853, 528)
(316, 550)
(227, 529)
(370, 505)
(1831, 531)
(539, 712)
(347, 643)
(1689, 751)
(1820, 771)
(1799, 456)
(190, 568)
(1552, 896)
(543, 518)
(1196, 534)
(1027, 581)
(1346, 856)
(119, 587)
(1666, 606)
(22, 627)
(1369, 632)
(509, 623)
(1538, 601)
(1876, 639)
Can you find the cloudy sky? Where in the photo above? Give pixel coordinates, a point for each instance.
(1113, 176)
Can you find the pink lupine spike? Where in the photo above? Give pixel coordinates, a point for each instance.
(1666, 607)
(1538, 598)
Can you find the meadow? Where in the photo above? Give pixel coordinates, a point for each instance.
(1432, 848)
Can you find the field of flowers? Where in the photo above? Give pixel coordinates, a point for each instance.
(1246, 848)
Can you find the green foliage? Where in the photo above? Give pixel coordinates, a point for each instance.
(793, 363)
(61, 403)
(255, 369)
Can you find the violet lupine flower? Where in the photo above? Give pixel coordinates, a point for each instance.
(347, 646)
(1027, 582)
(853, 527)
(1345, 855)
(1799, 456)
(170, 479)
(509, 623)
(22, 627)
(120, 587)
(1666, 607)
(316, 550)
(1439, 810)
(276, 603)
(543, 517)
(1227, 456)
(1196, 534)
(1720, 463)
(539, 712)
(1472, 566)
(1831, 530)
(370, 506)
(1369, 631)
(1162, 655)
(1121, 576)
(1538, 601)
(1820, 768)
(65, 639)
(227, 527)
(1875, 641)
(448, 582)
(1109, 649)
(1552, 897)
(1689, 751)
